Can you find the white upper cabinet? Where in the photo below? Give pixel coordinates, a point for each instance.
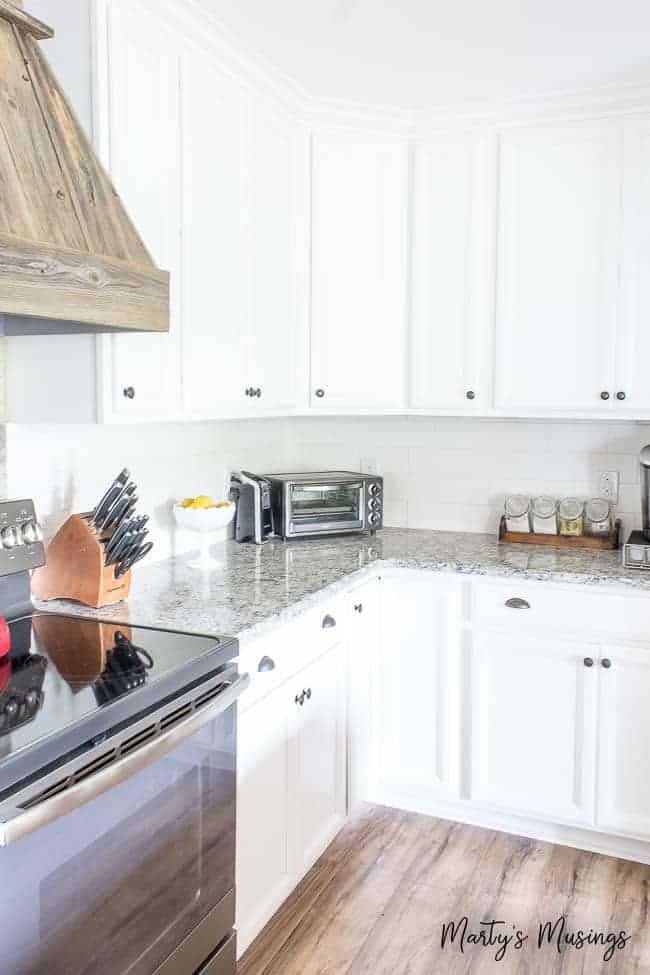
(633, 347)
(452, 297)
(216, 286)
(359, 262)
(276, 188)
(140, 139)
(559, 245)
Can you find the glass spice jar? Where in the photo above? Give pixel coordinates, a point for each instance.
(544, 515)
(572, 517)
(517, 510)
(598, 518)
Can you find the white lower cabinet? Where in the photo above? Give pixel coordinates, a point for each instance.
(416, 688)
(623, 804)
(264, 869)
(533, 726)
(317, 752)
(291, 785)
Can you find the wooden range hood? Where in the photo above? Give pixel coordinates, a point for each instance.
(70, 258)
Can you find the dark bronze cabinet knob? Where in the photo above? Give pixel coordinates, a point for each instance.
(358, 608)
(607, 663)
(129, 392)
(589, 662)
(258, 393)
(320, 393)
(604, 394)
(620, 395)
(470, 394)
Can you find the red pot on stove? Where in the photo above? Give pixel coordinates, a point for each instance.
(5, 638)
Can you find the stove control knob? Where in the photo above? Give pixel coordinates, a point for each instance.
(31, 533)
(9, 537)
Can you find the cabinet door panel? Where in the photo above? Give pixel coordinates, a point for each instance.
(533, 718)
(216, 293)
(363, 631)
(318, 746)
(273, 291)
(358, 338)
(633, 346)
(624, 733)
(558, 266)
(453, 268)
(263, 858)
(144, 160)
(416, 688)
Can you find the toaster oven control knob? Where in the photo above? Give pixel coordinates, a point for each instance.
(374, 490)
(375, 504)
(31, 533)
(374, 518)
(9, 537)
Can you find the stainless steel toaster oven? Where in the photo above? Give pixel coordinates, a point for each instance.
(326, 503)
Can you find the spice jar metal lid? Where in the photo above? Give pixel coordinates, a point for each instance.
(544, 507)
(571, 509)
(597, 510)
(517, 505)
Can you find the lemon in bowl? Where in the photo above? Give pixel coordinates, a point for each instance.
(204, 516)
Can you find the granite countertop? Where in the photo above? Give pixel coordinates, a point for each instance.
(260, 586)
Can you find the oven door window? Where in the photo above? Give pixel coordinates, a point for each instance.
(116, 885)
(322, 507)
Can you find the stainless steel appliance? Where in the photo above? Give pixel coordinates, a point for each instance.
(117, 789)
(254, 520)
(326, 503)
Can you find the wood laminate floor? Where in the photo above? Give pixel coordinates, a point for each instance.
(377, 899)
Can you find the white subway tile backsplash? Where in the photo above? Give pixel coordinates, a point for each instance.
(455, 472)
(441, 473)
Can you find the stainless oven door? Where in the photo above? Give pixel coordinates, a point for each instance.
(116, 869)
(325, 508)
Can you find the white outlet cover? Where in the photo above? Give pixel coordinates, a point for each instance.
(609, 486)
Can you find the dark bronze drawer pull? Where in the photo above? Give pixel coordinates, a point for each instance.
(517, 603)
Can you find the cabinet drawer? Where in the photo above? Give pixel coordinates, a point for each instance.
(273, 659)
(543, 606)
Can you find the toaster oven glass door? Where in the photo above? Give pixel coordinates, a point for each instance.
(326, 508)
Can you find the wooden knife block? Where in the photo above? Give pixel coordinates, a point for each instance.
(75, 568)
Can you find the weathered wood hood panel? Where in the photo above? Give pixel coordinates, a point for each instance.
(68, 249)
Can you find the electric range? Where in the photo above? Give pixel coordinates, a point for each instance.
(118, 748)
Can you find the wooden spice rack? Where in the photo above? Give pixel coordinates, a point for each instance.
(605, 543)
(76, 568)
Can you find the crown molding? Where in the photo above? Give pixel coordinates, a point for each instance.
(260, 74)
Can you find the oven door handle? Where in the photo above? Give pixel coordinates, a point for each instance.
(24, 822)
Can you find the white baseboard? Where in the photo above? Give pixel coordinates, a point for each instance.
(623, 847)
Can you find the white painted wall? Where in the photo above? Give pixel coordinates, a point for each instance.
(454, 474)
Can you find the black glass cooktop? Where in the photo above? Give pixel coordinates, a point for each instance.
(70, 679)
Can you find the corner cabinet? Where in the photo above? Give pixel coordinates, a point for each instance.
(416, 686)
(360, 205)
(452, 292)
